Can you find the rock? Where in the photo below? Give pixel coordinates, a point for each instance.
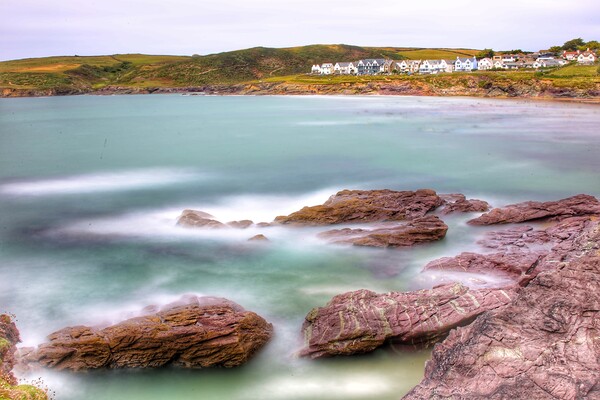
(363, 206)
(360, 321)
(258, 238)
(198, 219)
(9, 390)
(243, 224)
(263, 224)
(579, 205)
(543, 345)
(419, 230)
(517, 266)
(459, 203)
(196, 332)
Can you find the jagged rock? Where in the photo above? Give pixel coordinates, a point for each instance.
(543, 345)
(420, 230)
(243, 224)
(362, 206)
(520, 267)
(361, 321)
(196, 332)
(578, 205)
(9, 390)
(459, 203)
(258, 238)
(198, 219)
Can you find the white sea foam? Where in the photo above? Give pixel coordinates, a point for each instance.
(105, 182)
(161, 223)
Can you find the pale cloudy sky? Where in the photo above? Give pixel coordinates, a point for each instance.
(35, 28)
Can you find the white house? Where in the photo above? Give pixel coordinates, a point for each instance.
(316, 69)
(326, 69)
(486, 64)
(344, 68)
(498, 64)
(426, 67)
(414, 66)
(448, 65)
(587, 57)
(570, 55)
(400, 66)
(546, 63)
(465, 64)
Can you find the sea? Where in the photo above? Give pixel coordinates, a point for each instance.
(91, 188)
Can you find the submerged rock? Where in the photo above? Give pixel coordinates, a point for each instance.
(258, 238)
(9, 388)
(196, 332)
(198, 219)
(543, 345)
(420, 230)
(578, 205)
(459, 203)
(360, 321)
(363, 206)
(243, 224)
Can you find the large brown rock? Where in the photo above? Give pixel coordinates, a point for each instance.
(545, 344)
(458, 203)
(198, 219)
(420, 230)
(517, 266)
(363, 206)
(196, 332)
(360, 321)
(578, 205)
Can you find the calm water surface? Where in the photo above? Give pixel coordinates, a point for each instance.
(90, 188)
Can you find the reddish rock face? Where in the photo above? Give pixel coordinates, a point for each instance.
(518, 266)
(196, 333)
(543, 345)
(363, 206)
(361, 321)
(419, 230)
(9, 337)
(579, 205)
(459, 203)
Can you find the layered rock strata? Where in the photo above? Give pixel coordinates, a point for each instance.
(578, 205)
(196, 332)
(545, 344)
(360, 321)
(364, 206)
(419, 230)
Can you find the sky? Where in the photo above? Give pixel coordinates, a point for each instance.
(37, 28)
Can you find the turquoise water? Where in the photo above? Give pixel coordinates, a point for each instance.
(90, 188)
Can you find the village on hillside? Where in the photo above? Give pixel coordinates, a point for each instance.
(497, 62)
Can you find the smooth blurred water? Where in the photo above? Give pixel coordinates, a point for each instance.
(90, 188)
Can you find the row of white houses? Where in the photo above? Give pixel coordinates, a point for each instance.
(509, 61)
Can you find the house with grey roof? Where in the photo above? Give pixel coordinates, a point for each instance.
(465, 64)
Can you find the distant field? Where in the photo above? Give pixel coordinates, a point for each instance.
(575, 71)
(437, 54)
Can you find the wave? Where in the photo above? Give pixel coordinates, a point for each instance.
(103, 182)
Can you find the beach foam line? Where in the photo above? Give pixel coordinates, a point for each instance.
(102, 182)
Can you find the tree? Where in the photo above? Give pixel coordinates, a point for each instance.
(486, 53)
(573, 44)
(555, 49)
(593, 45)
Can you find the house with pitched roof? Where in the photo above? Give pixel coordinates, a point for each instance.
(316, 69)
(485, 64)
(587, 57)
(326, 69)
(344, 68)
(465, 64)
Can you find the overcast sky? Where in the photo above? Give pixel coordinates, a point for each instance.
(35, 28)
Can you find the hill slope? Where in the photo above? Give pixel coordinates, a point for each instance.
(74, 73)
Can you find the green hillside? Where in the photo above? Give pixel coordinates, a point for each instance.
(138, 70)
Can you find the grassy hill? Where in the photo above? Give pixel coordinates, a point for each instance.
(138, 70)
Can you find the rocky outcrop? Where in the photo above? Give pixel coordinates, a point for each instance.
(517, 266)
(196, 332)
(258, 238)
(360, 321)
(420, 230)
(458, 203)
(579, 205)
(543, 345)
(198, 219)
(363, 206)
(9, 388)
(243, 224)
